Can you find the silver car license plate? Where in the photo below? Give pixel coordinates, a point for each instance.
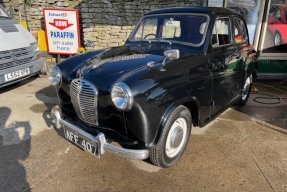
(17, 74)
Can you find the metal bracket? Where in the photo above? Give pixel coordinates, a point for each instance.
(102, 141)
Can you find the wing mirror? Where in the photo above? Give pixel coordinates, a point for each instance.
(90, 44)
(171, 54)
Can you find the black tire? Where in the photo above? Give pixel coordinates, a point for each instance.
(177, 131)
(277, 39)
(246, 91)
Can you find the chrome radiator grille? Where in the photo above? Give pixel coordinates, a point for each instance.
(84, 98)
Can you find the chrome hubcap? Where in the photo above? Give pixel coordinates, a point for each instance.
(176, 137)
(246, 88)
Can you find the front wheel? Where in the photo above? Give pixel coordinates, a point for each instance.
(174, 138)
(246, 91)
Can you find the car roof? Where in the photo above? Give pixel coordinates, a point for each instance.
(193, 10)
(281, 5)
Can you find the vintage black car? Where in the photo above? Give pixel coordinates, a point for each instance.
(179, 68)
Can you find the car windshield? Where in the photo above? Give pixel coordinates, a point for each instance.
(185, 29)
(3, 13)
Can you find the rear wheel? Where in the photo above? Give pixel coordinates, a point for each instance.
(174, 138)
(246, 91)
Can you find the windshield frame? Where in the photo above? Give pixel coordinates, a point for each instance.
(130, 38)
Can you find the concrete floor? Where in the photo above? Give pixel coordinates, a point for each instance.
(244, 149)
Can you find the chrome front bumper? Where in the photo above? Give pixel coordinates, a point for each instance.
(99, 140)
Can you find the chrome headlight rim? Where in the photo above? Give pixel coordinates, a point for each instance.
(55, 76)
(128, 96)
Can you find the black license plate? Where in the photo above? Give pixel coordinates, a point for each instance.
(82, 143)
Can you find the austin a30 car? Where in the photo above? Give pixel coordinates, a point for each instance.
(179, 68)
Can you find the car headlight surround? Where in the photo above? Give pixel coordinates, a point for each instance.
(122, 96)
(55, 75)
(35, 47)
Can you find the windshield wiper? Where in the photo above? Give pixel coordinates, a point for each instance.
(160, 40)
(165, 41)
(140, 39)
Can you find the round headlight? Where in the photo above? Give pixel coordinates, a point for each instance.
(122, 96)
(55, 75)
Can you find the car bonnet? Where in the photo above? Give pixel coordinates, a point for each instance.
(120, 60)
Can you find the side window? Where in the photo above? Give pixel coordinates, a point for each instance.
(240, 32)
(272, 11)
(221, 32)
(3, 13)
(277, 14)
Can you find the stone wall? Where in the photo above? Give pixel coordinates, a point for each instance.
(106, 22)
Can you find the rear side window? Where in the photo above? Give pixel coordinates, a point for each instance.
(221, 34)
(272, 11)
(240, 32)
(277, 14)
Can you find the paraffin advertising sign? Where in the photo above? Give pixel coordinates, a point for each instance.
(62, 30)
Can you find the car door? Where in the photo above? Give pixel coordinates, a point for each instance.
(241, 42)
(224, 59)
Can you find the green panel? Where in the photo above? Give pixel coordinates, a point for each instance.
(272, 66)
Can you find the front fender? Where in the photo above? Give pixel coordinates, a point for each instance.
(193, 106)
(162, 123)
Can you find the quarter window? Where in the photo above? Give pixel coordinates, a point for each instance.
(221, 32)
(240, 32)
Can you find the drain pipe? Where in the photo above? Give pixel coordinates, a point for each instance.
(25, 13)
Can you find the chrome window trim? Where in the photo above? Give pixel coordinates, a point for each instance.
(176, 42)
